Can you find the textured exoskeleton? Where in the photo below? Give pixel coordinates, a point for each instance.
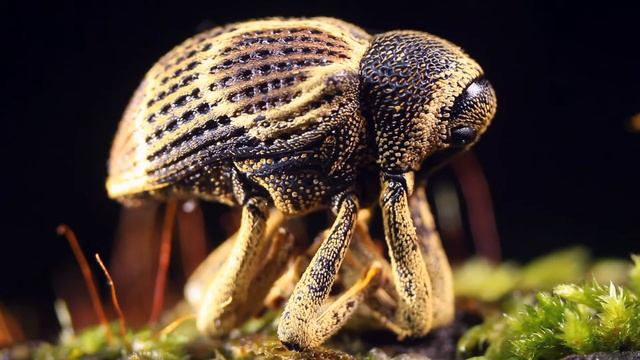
(288, 116)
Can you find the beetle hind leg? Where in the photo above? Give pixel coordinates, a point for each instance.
(223, 289)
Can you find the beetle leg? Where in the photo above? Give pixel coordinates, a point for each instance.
(200, 279)
(434, 257)
(219, 308)
(414, 312)
(275, 264)
(383, 304)
(304, 322)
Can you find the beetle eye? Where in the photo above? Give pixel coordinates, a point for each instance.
(462, 136)
(477, 101)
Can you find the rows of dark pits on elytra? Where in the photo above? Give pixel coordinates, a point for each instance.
(191, 52)
(177, 167)
(264, 87)
(190, 66)
(188, 115)
(184, 81)
(313, 105)
(249, 92)
(284, 137)
(248, 73)
(197, 131)
(243, 143)
(285, 36)
(262, 54)
(289, 31)
(266, 104)
(277, 101)
(213, 124)
(248, 39)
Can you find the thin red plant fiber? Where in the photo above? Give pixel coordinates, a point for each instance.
(114, 298)
(65, 230)
(475, 190)
(163, 263)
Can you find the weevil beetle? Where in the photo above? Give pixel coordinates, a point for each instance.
(289, 114)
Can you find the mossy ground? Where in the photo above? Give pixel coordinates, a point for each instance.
(555, 306)
(576, 317)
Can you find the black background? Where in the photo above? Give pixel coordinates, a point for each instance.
(560, 159)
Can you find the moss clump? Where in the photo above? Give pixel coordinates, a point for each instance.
(571, 319)
(480, 279)
(142, 344)
(256, 339)
(557, 320)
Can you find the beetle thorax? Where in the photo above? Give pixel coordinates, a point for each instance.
(409, 81)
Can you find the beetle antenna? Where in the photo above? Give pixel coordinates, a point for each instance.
(65, 230)
(114, 298)
(163, 263)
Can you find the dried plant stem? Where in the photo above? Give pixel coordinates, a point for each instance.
(175, 324)
(475, 190)
(191, 236)
(163, 263)
(114, 298)
(6, 338)
(66, 231)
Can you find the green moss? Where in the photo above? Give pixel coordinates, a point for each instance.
(571, 319)
(255, 339)
(480, 279)
(564, 266)
(528, 315)
(143, 344)
(634, 274)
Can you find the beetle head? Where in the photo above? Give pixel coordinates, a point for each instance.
(425, 98)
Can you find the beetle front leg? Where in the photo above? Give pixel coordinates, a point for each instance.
(306, 322)
(383, 305)
(414, 311)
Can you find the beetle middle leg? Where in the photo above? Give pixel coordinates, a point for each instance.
(306, 321)
(434, 257)
(386, 303)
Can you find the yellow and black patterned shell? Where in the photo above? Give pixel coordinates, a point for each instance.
(236, 91)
